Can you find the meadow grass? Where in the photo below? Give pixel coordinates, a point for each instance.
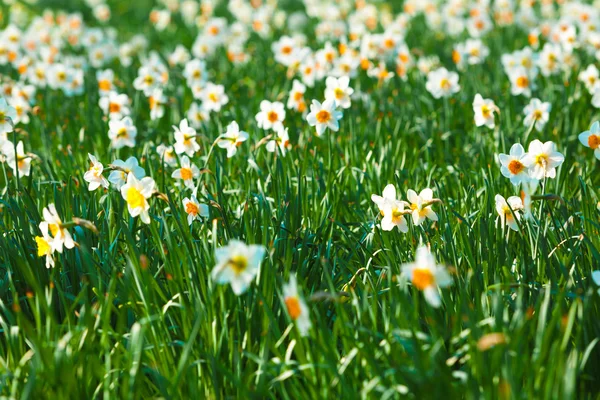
(132, 311)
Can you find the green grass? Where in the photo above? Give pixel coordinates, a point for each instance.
(131, 312)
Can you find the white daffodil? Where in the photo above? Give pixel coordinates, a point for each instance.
(391, 209)
(538, 113)
(591, 139)
(94, 176)
(17, 159)
(296, 99)
(185, 139)
(484, 111)
(442, 83)
(280, 140)
(8, 115)
(296, 306)
(187, 172)
(194, 209)
(119, 177)
(324, 116)
(167, 154)
(421, 205)
(214, 97)
(45, 245)
(509, 210)
(115, 105)
(231, 139)
(60, 235)
(237, 264)
(427, 276)
(136, 193)
(542, 160)
(339, 90)
(271, 115)
(122, 133)
(512, 165)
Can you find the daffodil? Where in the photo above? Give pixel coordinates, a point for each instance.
(271, 115)
(296, 306)
(122, 133)
(280, 141)
(167, 154)
(59, 233)
(118, 176)
(420, 204)
(509, 210)
(115, 105)
(237, 264)
(484, 111)
(187, 172)
(392, 210)
(8, 115)
(16, 158)
(513, 165)
(538, 113)
(591, 138)
(442, 83)
(427, 276)
(232, 139)
(339, 90)
(94, 176)
(136, 193)
(45, 246)
(542, 159)
(185, 139)
(194, 209)
(323, 116)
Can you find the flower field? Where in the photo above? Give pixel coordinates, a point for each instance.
(299, 199)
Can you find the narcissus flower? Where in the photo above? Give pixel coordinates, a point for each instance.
(237, 264)
(484, 111)
(421, 205)
(214, 97)
(115, 105)
(60, 235)
(167, 154)
(231, 139)
(521, 82)
(280, 140)
(187, 172)
(122, 133)
(509, 210)
(185, 139)
(197, 115)
(136, 193)
(94, 176)
(8, 115)
(296, 100)
(271, 115)
(542, 159)
(118, 177)
(339, 90)
(591, 139)
(296, 306)
(513, 166)
(194, 209)
(538, 113)
(16, 158)
(324, 116)
(45, 246)
(392, 210)
(442, 83)
(427, 276)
